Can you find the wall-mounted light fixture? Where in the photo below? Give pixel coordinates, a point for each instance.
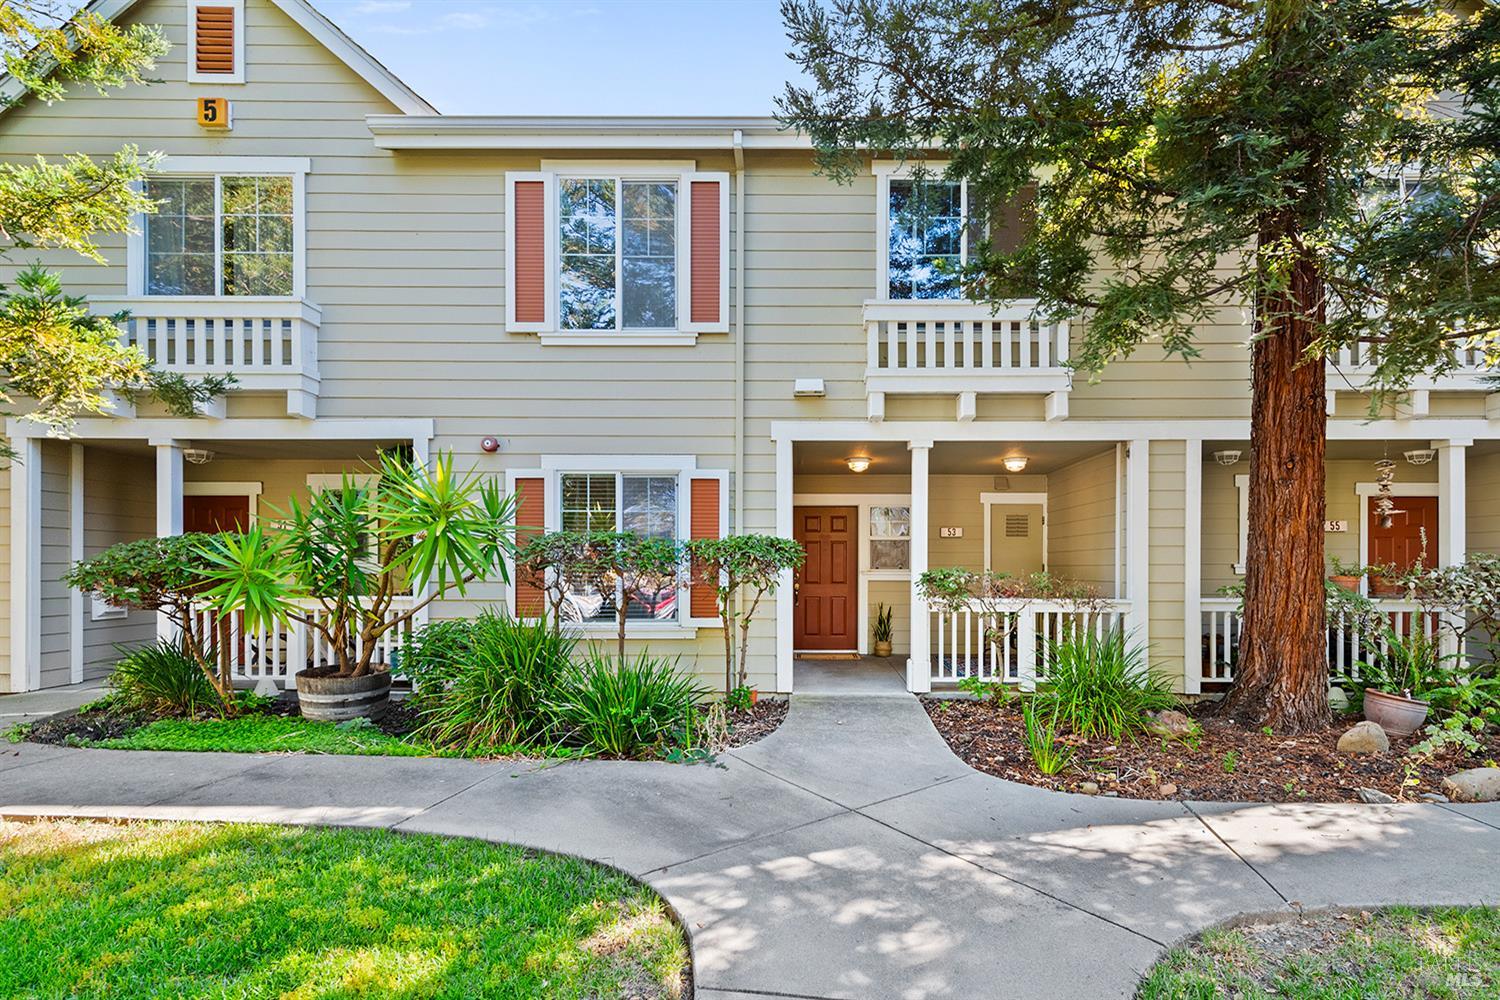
(1229, 457)
(857, 463)
(1014, 463)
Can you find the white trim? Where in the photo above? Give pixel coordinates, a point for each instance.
(1242, 503)
(919, 658)
(1138, 541)
(419, 429)
(591, 338)
(1453, 507)
(619, 463)
(621, 168)
(862, 502)
(721, 325)
(251, 491)
(988, 500)
(885, 171)
(1119, 575)
(26, 565)
(1192, 567)
(233, 166)
(238, 76)
(784, 655)
(332, 38)
(1110, 431)
(685, 533)
(549, 278)
(1367, 490)
(75, 556)
(581, 132)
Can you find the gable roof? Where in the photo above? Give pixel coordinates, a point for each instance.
(311, 20)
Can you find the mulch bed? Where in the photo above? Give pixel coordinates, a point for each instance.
(1266, 768)
(748, 725)
(65, 730)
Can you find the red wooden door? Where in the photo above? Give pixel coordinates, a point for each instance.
(215, 513)
(1401, 544)
(826, 616)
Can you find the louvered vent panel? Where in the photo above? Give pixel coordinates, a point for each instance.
(215, 40)
(1017, 525)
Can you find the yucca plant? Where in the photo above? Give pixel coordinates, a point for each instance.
(162, 677)
(629, 709)
(1099, 686)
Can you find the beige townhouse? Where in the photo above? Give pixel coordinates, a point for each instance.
(667, 325)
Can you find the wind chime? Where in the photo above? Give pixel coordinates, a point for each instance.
(1385, 476)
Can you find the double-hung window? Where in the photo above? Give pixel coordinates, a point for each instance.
(925, 249)
(629, 255)
(642, 504)
(229, 235)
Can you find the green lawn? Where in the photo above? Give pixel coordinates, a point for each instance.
(1436, 954)
(191, 910)
(262, 733)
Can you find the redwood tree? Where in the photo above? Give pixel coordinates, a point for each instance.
(1183, 156)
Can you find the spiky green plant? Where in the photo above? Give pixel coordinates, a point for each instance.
(629, 709)
(1099, 686)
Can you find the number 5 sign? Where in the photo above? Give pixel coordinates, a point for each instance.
(213, 112)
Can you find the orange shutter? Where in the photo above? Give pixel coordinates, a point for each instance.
(705, 515)
(707, 251)
(531, 521)
(213, 39)
(529, 255)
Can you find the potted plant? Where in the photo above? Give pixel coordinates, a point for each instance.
(1346, 575)
(1404, 668)
(339, 563)
(882, 630)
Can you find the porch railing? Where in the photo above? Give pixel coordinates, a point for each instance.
(971, 345)
(1347, 646)
(278, 654)
(200, 335)
(1470, 370)
(1009, 641)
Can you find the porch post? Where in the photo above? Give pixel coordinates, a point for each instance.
(919, 663)
(1138, 541)
(1192, 568)
(784, 593)
(25, 563)
(1453, 518)
(169, 491)
(75, 555)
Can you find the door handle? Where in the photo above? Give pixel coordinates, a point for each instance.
(796, 591)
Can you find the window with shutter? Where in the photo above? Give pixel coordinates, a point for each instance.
(216, 31)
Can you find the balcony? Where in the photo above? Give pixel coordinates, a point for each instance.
(267, 344)
(931, 347)
(1352, 367)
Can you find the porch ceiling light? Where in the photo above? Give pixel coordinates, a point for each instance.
(197, 456)
(1227, 457)
(1420, 456)
(857, 463)
(1014, 463)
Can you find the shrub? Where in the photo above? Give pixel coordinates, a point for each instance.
(1050, 756)
(1099, 686)
(748, 565)
(629, 709)
(161, 677)
(486, 683)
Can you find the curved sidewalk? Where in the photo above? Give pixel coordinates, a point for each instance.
(848, 855)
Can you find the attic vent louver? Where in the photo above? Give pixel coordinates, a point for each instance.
(214, 40)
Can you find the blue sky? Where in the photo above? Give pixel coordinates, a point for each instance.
(517, 57)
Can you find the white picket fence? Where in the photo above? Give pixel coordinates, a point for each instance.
(1347, 645)
(278, 654)
(1008, 640)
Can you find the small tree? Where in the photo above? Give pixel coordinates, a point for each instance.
(751, 564)
(162, 575)
(352, 551)
(553, 563)
(637, 568)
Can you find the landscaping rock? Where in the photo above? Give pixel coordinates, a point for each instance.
(1432, 797)
(1168, 790)
(1088, 787)
(1338, 700)
(1171, 723)
(1364, 737)
(1375, 796)
(1478, 784)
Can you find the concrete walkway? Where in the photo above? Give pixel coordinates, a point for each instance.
(848, 855)
(30, 706)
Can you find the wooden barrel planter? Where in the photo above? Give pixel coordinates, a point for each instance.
(323, 695)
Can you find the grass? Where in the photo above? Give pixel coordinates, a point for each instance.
(151, 910)
(265, 733)
(1441, 954)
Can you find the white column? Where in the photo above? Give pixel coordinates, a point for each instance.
(919, 664)
(76, 608)
(168, 508)
(25, 564)
(784, 591)
(1138, 541)
(1453, 519)
(1192, 569)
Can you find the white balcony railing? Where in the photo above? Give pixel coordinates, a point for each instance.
(1347, 645)
(1009, 640)
(928, 346)
(278, 654)
(266, 343)
(1350, 370)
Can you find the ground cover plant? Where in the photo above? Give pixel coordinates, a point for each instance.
(1397, 954)
(256, 733)
(140, 910)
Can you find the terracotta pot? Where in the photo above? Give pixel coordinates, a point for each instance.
(882, 649)
(1347, 582)
(754, 696)
(321, 694)
(1396, 715)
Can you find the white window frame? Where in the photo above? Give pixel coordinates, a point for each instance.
(681, 172)
(251, 491)
(988, 501)
(885, 172)
(238, 76)
(869, 538)
(1242, 499)
(293, 167)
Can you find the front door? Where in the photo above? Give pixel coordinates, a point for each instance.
(215, 513)
(1402, 545)
(825, 616)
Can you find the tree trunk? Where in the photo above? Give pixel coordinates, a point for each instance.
(1281, 679)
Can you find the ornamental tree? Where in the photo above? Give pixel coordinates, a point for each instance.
(638, 569)
(553, 563)
(1184, 156)
(748, 565)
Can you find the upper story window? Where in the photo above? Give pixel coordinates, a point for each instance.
(216, 41)
(633, 254)
(228, 235)
(617, 243)
(925, 249)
